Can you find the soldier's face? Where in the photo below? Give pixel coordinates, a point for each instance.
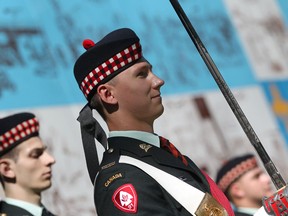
(256, 184)
(32, 168)
(137, 90)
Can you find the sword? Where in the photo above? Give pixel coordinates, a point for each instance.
(271, 169)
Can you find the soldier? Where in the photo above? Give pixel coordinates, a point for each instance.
(119, 83)
(25, 166)
(244, 183)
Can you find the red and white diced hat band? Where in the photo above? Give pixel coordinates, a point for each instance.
(15, 129)
(234, 169)
(102, 61)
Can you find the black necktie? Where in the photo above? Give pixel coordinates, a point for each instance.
(168, 146)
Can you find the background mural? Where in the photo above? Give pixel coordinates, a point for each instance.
(40, 41)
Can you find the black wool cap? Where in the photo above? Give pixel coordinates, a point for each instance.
(15, 129)
(105, 59)
(233, 169)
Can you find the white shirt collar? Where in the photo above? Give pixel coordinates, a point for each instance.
(247, 210)
(150, 138)
(32, 208)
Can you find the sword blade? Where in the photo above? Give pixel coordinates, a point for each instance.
(271, 169)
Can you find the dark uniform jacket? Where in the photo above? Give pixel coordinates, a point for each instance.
(122, 189)
(12, 210)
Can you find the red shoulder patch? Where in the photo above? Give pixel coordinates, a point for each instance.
(125, 198)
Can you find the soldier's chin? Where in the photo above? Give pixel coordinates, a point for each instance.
(47, 185)
(161, 111)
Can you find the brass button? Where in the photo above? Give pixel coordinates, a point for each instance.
(110, 150)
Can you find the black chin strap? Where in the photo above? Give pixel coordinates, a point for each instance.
(91, 129)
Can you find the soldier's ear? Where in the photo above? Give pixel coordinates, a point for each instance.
(6, 168)
(106, 94)
(236, 190)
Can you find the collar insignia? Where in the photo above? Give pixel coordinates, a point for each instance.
(145, 147)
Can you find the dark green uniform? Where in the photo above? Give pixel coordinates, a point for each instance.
(122, 189)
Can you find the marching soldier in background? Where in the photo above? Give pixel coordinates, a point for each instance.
(119, 83)
(25, 166)
(244, 183)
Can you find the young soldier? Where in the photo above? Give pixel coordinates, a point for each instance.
(119, 83)
(25, 166)
(244, 183)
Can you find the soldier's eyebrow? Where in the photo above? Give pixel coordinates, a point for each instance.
(37, 151)
(146, 66)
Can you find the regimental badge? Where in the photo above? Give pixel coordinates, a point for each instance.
(278, 203)
(145, 147)
(210, 207)
(125, 198)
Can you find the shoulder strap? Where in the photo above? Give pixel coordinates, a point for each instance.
(183, 193)
(192, 199)
(91, 130)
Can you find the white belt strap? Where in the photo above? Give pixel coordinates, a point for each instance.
(188, 196)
